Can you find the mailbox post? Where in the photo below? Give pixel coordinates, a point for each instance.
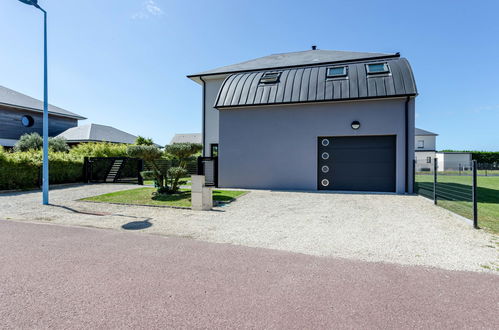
(201, 196)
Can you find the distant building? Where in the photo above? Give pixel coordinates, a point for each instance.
(21, 114)
(96, 133)
(425, 149)
(187, 138)
(426, 154)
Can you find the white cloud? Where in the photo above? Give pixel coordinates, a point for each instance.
(153, 9)
(149, 8)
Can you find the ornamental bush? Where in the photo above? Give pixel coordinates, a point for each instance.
(33, 141)
(181, 153)
(152, 155)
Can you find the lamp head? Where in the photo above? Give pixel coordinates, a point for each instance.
(30, 2)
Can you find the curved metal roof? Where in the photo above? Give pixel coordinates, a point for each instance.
(309, 84)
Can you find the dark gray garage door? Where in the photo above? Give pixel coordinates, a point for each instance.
(360, 163)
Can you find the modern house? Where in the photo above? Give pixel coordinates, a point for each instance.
(96, 133)
(425, 148)
(187, 138)
(312, 120)
(21, 114)
(427, 154)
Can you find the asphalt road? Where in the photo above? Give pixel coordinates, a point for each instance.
(69, 277)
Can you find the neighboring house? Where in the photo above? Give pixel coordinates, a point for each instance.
(425, 148)
(96, 133)
(317, 119)
(21, 114)
(426, 154)
(187, 138)
(453, 161)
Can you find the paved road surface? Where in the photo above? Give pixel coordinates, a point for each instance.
(398, 229)
(68, 277)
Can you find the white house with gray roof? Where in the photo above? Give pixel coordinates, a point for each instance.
(187, 138)
(97, 133)
(427, 154)
(21, 114)
(312, 120)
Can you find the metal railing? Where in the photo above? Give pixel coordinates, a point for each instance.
(451, 189)
(112, 170)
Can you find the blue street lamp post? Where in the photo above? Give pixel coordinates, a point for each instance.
(45, 174)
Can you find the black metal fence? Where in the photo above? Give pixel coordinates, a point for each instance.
(165, 164)
(208, 166)
(113, 170)
(454, 189)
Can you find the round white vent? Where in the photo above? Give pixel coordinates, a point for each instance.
(325, 182)
(325, 169)
(325, 155)
(325, 142)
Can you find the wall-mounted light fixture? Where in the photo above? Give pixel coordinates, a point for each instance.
(355, 124)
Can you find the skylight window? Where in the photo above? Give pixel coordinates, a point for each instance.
(338, 71)
(375, 68)
(270, 77)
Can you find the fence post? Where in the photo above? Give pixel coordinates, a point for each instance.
(140, 168)
(435, 168)
(85, 169)
(414, 176)
(200, 169)
(475, 200)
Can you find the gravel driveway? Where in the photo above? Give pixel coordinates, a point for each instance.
(372, 227)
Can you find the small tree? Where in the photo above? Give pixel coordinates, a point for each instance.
(182, 152)
(142, 141)
(33, 141)
(58, 144)
(29, 141)
(150, 154)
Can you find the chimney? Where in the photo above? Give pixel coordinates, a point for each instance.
(314, 47)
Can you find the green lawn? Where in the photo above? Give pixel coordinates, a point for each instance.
(144, 196)
(460, 188)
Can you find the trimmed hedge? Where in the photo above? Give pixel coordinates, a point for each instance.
(22, 170)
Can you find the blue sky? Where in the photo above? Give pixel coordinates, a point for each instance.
(123, 63)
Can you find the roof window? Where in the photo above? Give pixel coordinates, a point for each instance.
(337, 71)
(375, 68)
(270, 77)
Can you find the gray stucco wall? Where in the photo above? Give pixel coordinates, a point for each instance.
(275, 147)
(212, 87)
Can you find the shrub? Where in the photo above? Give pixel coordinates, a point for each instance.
(33, 141)
(99, 149)
(147, 175)
(58, 144)
(21, 170)
(181, 152)
(142, 141)
(149, 154)
(174, 175)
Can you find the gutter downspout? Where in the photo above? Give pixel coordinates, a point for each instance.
(407, 144)
(204, 116)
